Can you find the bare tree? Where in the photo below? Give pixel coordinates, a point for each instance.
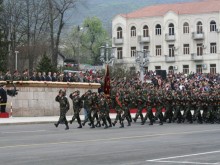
(57, 10)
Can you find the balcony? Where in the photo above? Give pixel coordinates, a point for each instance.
(169, 59)
(170, 37)
(118, 41)
(143, 39)
(196, 57)
(198, 36)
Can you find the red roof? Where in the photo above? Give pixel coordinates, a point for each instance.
(203, 6)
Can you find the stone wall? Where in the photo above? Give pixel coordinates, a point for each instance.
(38, 98)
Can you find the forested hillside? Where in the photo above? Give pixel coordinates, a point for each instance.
(107, 9)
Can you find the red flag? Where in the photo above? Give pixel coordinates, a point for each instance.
(107, 81)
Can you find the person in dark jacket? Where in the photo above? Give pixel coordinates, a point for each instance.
(3, 97)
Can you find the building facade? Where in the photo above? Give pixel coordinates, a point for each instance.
(182, 37)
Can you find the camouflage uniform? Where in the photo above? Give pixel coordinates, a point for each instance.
(77, 104)
(64, 107)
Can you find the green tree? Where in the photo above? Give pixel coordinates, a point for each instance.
(93, 38)
(45, 65)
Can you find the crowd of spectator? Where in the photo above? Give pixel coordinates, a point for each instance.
(68, 76)
(173, 80)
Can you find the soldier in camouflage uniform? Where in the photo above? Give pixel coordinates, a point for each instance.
(149, 104)
(168, 107)
(88, 103)
(188, 104)
(159, 106)
(102, 104)
(64, 107)
(141, 104)
(198, 106)
(125, 108)
(118, 108)
(177, 107)
(77, 104)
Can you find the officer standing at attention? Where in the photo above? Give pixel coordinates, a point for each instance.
(64, 107)
(3, 97)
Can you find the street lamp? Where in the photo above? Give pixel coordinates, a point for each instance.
(142, 60)
(107, 54)
(16, 59)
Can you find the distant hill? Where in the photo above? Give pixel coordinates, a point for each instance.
(107, 9)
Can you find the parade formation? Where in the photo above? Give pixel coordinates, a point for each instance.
(177, 99)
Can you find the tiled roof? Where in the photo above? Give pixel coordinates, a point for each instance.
(203, 6)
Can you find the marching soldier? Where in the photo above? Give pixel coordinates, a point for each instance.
(77, 104)
(64, 107)
(88, 103)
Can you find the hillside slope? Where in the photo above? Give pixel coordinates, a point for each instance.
(107, 9)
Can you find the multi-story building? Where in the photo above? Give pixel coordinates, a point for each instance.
(181, 37)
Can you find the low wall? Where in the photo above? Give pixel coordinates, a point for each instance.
(38, 98)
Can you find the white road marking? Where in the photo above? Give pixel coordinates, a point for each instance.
(17, 132)
(163, 160)
(182, 162)
(109, 139)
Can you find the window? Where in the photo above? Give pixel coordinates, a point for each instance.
(186, 49)
(199, 28)
(158, 30)
(133, 51)
(170, 69)
(185, 69)
(119, 32)
(171, 29)
(198, 68)
(185, 28)
(213, 48)
(213, 68)
(212, 26)
(171, 50)
(146, 48)
(158, 50)
(145, 31)
(119, 53)
(133, 31)
(199, 49)
(157, 67)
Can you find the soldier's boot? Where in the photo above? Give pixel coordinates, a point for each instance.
(129, 123)
(128, 120)
(92, 125)
(105, 124)
(71, 121)
(80, 126)
(122, 125)
(67, 126)
(142, 117)
(151, 122)
(56, 124)
(170, 120)
(98, 124)
(110, 125)
(143, 122)
(114, 123)
(135, 119)
(83, 124)
(161, 123)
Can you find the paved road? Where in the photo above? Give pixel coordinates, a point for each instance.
(43, 144)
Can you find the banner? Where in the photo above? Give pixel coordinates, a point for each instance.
(107, 81)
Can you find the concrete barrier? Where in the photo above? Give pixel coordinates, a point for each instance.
(37, 98)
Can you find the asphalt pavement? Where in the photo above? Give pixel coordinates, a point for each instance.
(169, 144)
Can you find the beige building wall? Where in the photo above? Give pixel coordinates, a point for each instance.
(180, 39)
